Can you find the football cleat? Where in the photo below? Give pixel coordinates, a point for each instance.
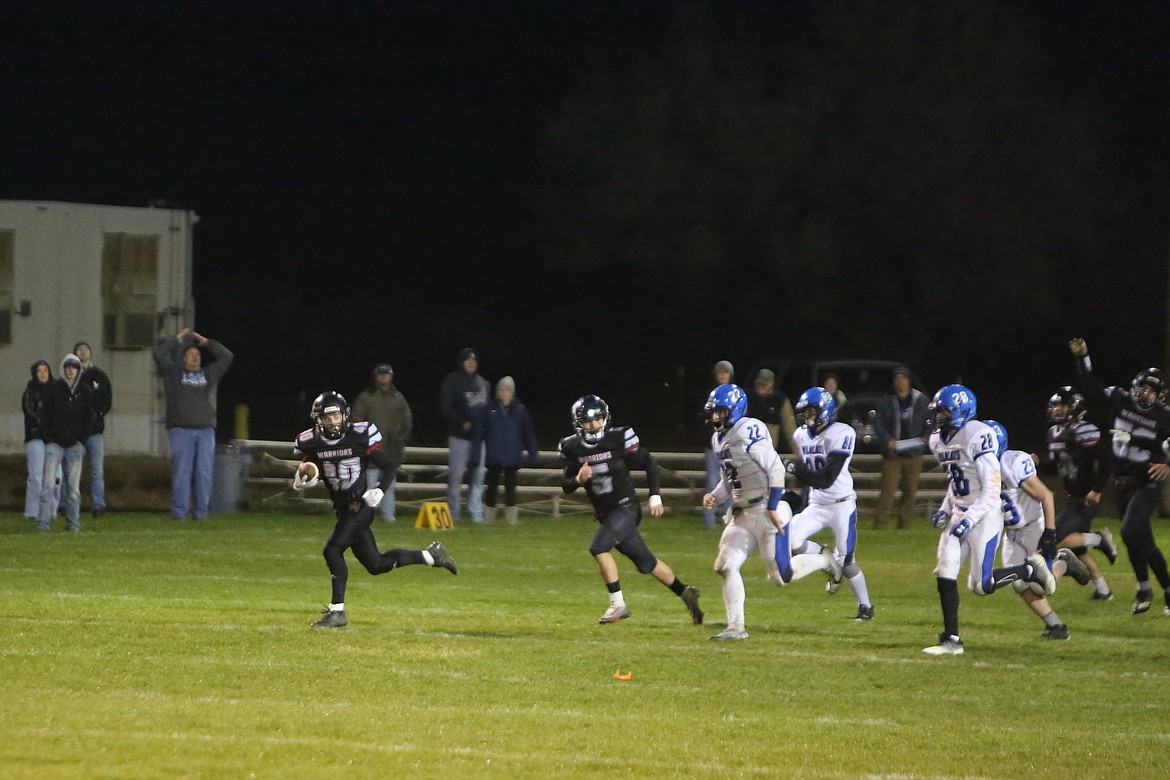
(1143, 601)
(1107, 547)
(614, 614)
(1059, 631)
(331, 619)
(690, 597)
(864, 612)
(1041, 575)
(1099, 596)
(1073, 566)
(442, 559)
(947, 645)
(833, 570)
(729, 635)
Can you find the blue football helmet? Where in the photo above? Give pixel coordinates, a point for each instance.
(1000, 436)
(729, 397)
(588, 408)
(816, 408)
(953, 407)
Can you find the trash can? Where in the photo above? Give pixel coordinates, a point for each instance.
(229, 479)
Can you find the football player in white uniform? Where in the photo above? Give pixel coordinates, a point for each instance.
(1029, 519)
(824, 449)
(970, 517)
(752, 475)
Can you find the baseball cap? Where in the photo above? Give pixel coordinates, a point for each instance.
(383, 368)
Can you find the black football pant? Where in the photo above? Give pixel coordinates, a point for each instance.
(1137, 505)
(352, 532)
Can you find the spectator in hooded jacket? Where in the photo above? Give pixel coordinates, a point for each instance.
(463, 398)
(191, 382)
(66, 419)
(900, 425)
(95, 443)
(510, 442)
(34, 445)
(383, 405)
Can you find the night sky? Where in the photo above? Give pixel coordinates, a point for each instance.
(371, 181)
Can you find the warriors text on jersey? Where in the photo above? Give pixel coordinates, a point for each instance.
(1016, 468)
(966, 491)
(750, 465)
(814, 450)
(343, 461)
(610, 460)
(1076, 451)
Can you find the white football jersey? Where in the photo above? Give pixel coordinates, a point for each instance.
(1016, 468)
(965, 489)
(748, 463)
(814, 450)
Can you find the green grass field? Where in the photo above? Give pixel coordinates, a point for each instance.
(144, 648)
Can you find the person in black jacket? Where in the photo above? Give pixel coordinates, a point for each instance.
(34, 445)
(95, 443)
(66, 419)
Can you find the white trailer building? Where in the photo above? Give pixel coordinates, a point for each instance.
(116, 277)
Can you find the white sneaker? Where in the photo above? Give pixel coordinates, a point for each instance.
(729, 635)
(947, 645)
(614, 614)
(1041, 575)
(833, 570)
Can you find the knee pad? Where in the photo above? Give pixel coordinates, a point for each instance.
(728, 560)
(597, 548)
(645, 564)
(850, 569)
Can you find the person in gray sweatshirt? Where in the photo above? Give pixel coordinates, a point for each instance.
(191, 367)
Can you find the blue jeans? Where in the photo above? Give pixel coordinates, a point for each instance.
(386, 508)
(458, 455)
(192, 453)
(35, 450)
(95, 450)
(68, 460)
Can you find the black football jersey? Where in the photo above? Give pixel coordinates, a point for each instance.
(610, 459)
(343, 462)
(1079, 456)
(1137, 433)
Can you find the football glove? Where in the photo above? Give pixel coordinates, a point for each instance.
(372, 497)
(1120, 436)
(302, 482)
(961, 528)
(940, 518)
(1048, 545)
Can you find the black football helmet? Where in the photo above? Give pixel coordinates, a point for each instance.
(1072, 401)
(1153, 378)
(329, 403)
(588, 408)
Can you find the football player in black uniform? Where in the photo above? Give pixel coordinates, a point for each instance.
(599, 458)
(1076, 451)
(340, 452)
(1140, 424)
